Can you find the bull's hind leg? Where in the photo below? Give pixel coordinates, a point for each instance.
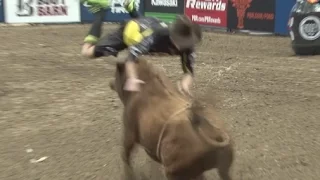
(225, 163)
(172, 177)
(129, 140)
(183, 178)
(224, 174)
(128, 145)
(201, 177)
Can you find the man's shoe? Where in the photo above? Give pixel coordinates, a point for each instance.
(129, 5)
(95, 6)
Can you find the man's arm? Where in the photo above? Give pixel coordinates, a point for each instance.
(187, 62)
(136, 50)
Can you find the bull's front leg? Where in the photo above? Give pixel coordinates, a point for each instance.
(129, 140)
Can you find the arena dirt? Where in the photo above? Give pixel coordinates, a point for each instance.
(56, 104)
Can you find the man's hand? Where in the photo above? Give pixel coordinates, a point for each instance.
(185, 84)
(133, 84)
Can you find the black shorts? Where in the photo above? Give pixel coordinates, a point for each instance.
(111, 44)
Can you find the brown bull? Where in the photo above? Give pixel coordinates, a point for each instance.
(173, 130)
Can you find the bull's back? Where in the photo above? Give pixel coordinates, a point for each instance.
(182, 149)
(152, 117)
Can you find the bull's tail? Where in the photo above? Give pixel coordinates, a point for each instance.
(220, 141)
(220, 137)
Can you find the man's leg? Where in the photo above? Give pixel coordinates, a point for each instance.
(98, 8)
(96, 5)
(110, 45)
(130, 6)
(93, 35)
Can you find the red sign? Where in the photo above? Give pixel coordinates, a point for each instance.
(207, 12)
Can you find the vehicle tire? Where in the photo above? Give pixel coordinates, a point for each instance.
(317, 51)
(303, 51)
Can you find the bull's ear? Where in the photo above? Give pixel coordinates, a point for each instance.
(120, 67)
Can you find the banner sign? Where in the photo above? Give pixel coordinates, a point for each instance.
(164, 6)
(41, 11)
(1, 11)
(258, 15)
(207, 12)
(116, 13)
(165, 17)
(166, 10)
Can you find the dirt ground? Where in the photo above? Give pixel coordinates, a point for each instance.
(56, 104)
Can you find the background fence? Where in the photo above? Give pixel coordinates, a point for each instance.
(1, 11)
(257, 15)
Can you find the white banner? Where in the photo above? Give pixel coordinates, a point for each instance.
(42, 11)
